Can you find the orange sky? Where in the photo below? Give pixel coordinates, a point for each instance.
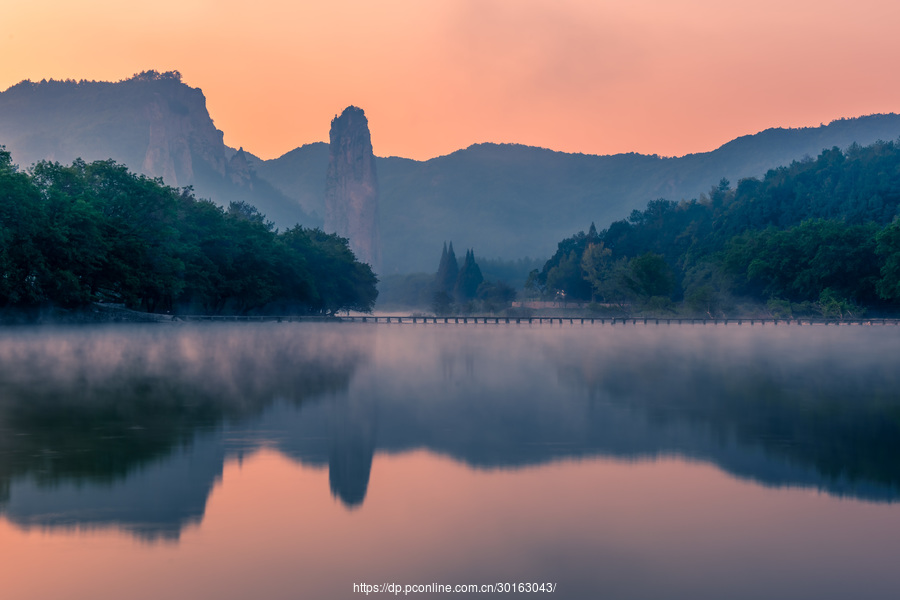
(653, 76)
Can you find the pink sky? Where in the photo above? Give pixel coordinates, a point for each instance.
(271, 529)
(669, 77)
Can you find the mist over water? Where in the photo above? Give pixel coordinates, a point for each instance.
(130, 428)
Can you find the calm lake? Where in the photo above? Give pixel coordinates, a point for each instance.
(295, 460)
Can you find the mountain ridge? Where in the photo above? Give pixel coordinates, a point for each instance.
(505, 200)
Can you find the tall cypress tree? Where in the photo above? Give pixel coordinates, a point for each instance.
(469, 279)
(448, 270)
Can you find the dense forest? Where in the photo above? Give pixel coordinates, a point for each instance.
(95, 232)
(817, 237)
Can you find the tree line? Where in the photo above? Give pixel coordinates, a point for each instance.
(820, 236)
(88, 232)
(464, 289)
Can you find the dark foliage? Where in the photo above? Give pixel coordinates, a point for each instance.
(70, 235)
(448, 270)
(818, 235)
(468, 279)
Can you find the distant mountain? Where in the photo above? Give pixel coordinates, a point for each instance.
(510, 201)
(505, 201)
(152, 122)
(300, 175)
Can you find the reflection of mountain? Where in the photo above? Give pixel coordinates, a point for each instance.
(831, 421)
(127, 426)
(156, 500)
(137, 439)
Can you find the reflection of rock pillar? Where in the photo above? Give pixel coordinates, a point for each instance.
(351, 188)
(352, 451)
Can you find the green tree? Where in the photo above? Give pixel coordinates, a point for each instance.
(650, 275)
(22, 261)
(533, 284)
(468, 279)
(441, 303)
(342, 282)
(708, 290)
(566, 278)
(888, 247)
(448, 270)
(116, 233)
(595, 265)
(495, 296)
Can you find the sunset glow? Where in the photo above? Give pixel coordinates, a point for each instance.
(650, 76)
(636, 516)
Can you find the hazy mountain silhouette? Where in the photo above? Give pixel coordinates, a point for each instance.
(510, 201)
(504, 200)
(151, 122)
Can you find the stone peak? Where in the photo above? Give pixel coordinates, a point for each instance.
(351, 116)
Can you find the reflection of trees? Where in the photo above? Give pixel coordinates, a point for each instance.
(89, 404)
(107, 406)
(833, 408)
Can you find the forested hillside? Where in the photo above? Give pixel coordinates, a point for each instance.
(817, 236)
(72, 235)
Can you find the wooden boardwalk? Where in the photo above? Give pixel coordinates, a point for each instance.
(554, 320)
(474, 320)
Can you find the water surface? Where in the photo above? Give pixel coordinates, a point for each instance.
(294, 460)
